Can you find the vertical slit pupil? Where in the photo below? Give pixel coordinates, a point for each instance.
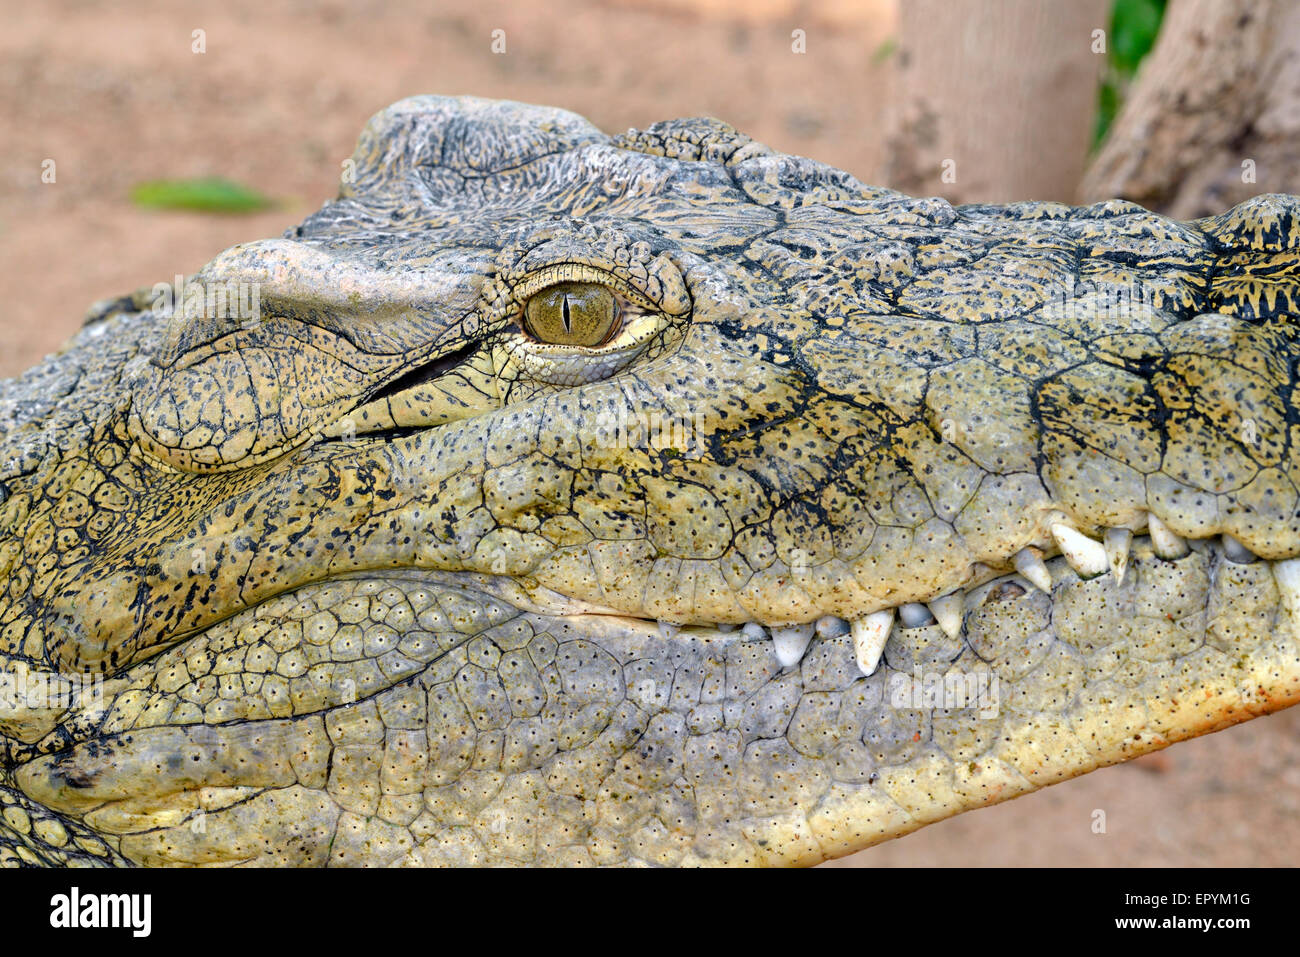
(565, 311)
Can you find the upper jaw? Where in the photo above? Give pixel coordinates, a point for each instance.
(424, 511)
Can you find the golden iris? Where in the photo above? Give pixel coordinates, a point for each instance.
(572, 314)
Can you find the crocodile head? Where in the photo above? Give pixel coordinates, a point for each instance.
(558, 498)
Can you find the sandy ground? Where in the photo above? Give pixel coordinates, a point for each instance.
(276, 102)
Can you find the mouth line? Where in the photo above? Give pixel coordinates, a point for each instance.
(1028, 569)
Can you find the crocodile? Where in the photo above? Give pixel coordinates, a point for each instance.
(559, 498)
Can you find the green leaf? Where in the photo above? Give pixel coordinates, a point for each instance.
(1107, 107)
(1133, 28)
(212, 195)
(887, 48)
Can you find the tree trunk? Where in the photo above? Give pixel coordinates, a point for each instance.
(995, 101)
(1213, 117)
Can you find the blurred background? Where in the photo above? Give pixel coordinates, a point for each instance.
(138, 143)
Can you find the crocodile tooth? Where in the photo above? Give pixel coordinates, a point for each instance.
(947, 611)
(1236, 552)
(1086, 556)
(790, 642)
(915, 615)
(1118, 543)
(1029, 562)
(870, 633)
(1287, 575)
(831, 627)
(668, 629)
(754, 631)
(1164, 542)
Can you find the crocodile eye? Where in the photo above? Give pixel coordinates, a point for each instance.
(573, 314)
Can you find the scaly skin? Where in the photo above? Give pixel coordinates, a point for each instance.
(377, 578)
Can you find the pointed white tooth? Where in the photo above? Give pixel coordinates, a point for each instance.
(1236, 552)
(1287, 575)
(790, 642)
(1087, 556)
(1164, 542)
(831, 627)
(870, 633)
(947, 612)
(668, 629)
(1118, 543)
(1029, 562)
(754, 631)
(915, 615)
